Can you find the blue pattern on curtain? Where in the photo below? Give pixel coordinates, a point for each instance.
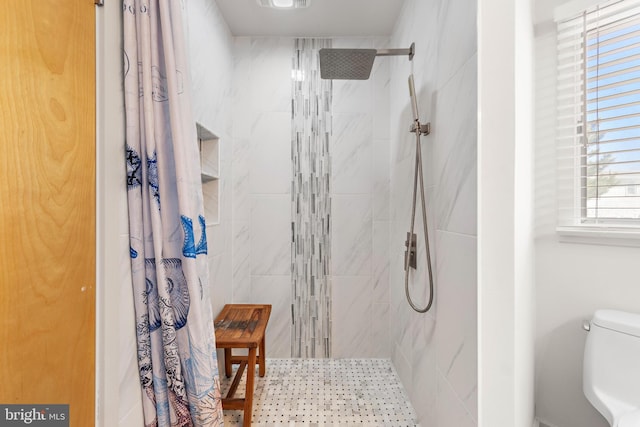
(174, 321)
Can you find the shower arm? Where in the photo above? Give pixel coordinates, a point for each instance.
(398, 52)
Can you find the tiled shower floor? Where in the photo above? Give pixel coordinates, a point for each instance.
(326, 392)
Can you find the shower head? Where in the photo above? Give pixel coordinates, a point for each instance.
(354, 64)
(346, 64)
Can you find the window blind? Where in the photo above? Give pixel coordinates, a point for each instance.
(598, 116)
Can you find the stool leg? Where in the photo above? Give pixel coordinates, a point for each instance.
(248, 398)
(261, 360)
(227, 362)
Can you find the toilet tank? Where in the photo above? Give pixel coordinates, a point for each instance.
(611, 372)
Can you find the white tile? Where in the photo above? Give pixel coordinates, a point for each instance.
(380, 91)
(381, 342)
(402, 366)
(450, 410)
(381, 179)
(424, 390)
(275, 290)
(381, 261)
(270, 235)
(457, 29)
(351, 237)
(240, 262)
(217, 239)
(352, 96)
(241, 94)
(425, 62)
(270, 154)
(241, 208)
(463, 216)
(351, 153)
(456, 336)
(401, 190)
(211, 75)
(225, 207)
(351, 317)
(400, 327)
(455, 152)
(270, 80)
(219, 283)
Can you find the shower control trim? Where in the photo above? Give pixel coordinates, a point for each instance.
(410, 252)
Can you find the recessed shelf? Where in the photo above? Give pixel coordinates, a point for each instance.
(209, 145)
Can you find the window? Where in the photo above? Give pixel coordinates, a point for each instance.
(598, 110)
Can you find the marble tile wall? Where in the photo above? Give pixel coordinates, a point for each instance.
(435, 353)
(261, 182)
(360, 197)
(261, 214)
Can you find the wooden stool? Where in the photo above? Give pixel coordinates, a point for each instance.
(242, 326)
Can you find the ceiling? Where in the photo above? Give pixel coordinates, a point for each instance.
(323, 18)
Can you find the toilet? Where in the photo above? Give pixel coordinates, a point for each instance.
(611, 370)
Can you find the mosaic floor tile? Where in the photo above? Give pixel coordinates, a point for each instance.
(326, 392)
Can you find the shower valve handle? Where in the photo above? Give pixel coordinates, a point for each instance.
(410, 252)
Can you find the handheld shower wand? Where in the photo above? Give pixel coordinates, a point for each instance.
(414, 100)
(411, 243)
(426, 128)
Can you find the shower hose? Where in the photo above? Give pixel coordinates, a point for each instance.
(417, 176)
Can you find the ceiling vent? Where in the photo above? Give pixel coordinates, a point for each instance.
(284, 4)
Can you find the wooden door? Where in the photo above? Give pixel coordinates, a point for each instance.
(47, 204)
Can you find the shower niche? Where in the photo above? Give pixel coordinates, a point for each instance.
(209, 145)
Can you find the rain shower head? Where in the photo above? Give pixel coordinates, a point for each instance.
(354, 64)
(346, 64)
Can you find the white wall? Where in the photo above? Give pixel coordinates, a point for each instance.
(572, 280)
(505, 225)
(262, 200)
(435, 353)
(524, 247)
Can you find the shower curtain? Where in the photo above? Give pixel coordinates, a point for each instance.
(168, 244)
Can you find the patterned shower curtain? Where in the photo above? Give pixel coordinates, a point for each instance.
(174, 321)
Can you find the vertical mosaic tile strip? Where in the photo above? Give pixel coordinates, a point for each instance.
(310, 203)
